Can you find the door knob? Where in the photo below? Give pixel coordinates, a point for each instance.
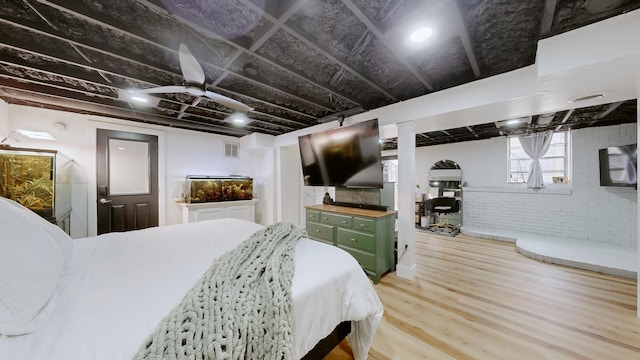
(105, 201)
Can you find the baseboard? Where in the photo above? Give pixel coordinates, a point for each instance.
(406, 272)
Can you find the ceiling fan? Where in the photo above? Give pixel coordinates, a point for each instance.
(193, 84)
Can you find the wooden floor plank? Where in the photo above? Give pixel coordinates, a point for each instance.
(476, 298)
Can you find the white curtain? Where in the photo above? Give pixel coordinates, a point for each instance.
(535, 146)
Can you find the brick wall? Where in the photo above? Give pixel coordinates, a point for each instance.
(582, 210)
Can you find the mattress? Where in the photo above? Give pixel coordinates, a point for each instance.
(119, 286)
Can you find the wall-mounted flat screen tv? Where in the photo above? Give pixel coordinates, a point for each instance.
(348, 156)
(618, 165)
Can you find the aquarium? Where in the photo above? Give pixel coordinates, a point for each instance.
(202, 189)
(27, 177)
(39, 180)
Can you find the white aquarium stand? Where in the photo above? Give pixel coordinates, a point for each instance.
(239, 209)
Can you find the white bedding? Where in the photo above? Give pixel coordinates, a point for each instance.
(119, 286)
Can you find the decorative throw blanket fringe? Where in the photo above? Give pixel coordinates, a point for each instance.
(239, 309)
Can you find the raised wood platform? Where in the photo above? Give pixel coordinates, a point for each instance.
(606, 258)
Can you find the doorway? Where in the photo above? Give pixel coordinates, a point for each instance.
(127, 181)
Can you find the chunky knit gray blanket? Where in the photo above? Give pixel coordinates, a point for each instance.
(239, 309)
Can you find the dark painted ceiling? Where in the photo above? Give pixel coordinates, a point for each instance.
(297, 63)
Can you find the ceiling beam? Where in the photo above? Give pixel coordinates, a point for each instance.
(317, 48)
(564, 119)
(463, 32)
(472, 132)
(365, 20)
(258, 43)
(79, 106)
(547, 17)
(90, 98)
(151, 42)
(102, 72)
(192, 25)
(610, 108)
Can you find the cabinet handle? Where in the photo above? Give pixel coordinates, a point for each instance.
(344, 222)
(317, 230)
(324, 218)
(354, 240)
(361, 225)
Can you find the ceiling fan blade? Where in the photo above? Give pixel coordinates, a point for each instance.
(227, 101)
(163, 89)
(191, 69)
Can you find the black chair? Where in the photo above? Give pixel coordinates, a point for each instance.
(443, 206)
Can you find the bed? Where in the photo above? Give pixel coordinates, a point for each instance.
(100, 297)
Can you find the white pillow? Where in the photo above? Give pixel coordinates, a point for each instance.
(31, 265)
(63, 240)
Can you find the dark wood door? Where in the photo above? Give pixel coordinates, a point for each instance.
(127, 181)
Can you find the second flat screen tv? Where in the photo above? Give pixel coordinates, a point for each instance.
(347, 156)
(618, 166)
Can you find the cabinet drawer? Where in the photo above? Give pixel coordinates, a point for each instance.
(358, 240)
(320, 231)
(366, 260)
(362, 224)
(313, 215)
(337, 220)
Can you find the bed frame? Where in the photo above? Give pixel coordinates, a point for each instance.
(324, 347)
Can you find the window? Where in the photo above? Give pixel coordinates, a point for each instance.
(555, 163)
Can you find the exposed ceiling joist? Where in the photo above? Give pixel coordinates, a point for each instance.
(297, 63)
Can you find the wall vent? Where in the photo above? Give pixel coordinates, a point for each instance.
(231, 150)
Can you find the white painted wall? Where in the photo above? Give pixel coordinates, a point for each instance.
(262, 165)
(584, 209)
(5, 127)
(72, 144)
(182, 153)
(290, 206)
(194, 153)
(483, 162)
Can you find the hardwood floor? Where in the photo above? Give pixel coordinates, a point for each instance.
(479, 299)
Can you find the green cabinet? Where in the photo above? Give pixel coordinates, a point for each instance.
(368, 235)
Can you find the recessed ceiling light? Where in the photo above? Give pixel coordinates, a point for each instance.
(513, 121)
(421, 34)
(587, 97)
(33, 134)
(139, 98)
(238, 118)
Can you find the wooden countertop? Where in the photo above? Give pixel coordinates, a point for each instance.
(351, 211)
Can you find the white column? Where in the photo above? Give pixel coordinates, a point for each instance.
(406, 266)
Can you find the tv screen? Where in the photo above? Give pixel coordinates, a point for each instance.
(618, 165)
(348, 156)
